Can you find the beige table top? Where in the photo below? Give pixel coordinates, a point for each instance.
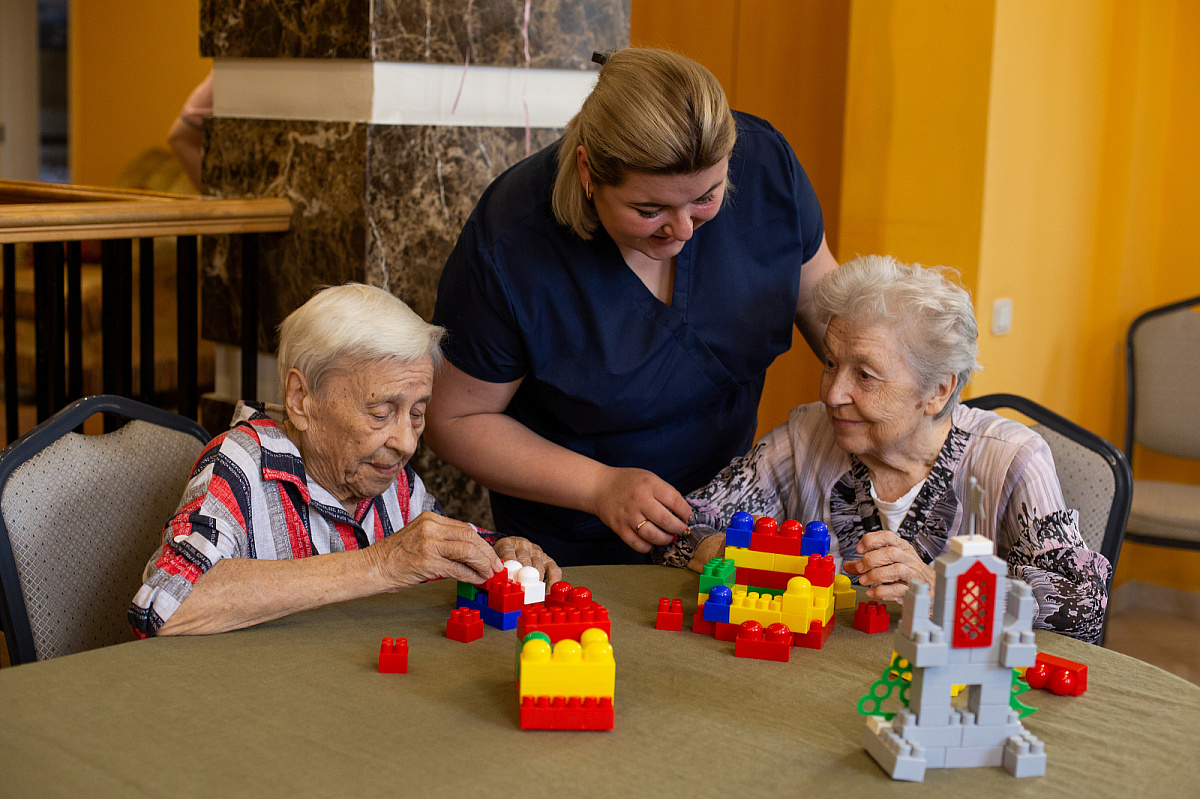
(296, 707)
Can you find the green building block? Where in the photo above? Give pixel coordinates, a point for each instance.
(467, 590)
(753, 589)
(718, 571)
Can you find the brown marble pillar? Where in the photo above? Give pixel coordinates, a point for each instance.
(379, 200)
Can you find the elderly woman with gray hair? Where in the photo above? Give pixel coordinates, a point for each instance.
(885, 457)
(321, 505)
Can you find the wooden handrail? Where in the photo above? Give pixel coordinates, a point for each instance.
(73, 213)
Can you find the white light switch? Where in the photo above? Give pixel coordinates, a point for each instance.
(1001, 316)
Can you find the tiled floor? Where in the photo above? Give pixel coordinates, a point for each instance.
(1170, 642)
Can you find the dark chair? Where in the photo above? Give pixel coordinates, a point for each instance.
(1094, 475)
(80, 516)
(1162, 413)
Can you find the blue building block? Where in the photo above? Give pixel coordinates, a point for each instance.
(737, 534)
(815, 540)
(716, 607)
(501, 621)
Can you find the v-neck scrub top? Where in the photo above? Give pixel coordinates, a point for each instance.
(611, 372)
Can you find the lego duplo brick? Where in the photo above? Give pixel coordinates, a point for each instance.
(564, 595)
(567, 713)
(754, 607)
(669, 615)
(843, 593)
(560, 623)
(739, 530)
(820, 570)
(702, 625)
(816, 636)
(769, 537)
(816, 539)
(393, 656)
(1059, 675)
(871, 617)
(465, 625)
(749, 559)
(506, 596)
(767, 578)
(568, 668)
(775, 643)
(718, 571)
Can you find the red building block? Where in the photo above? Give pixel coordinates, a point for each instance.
(560, 623)
(393, 656)
(506, 596)
(724, 631)
(819, 571)
(871, 617)
(702, 625)
(768, 537)
(566, 713)
(1063, 677)
(670, 615)
(775, 644)
(464, 625)
(563, 595)
(816, 636)
(763, 578)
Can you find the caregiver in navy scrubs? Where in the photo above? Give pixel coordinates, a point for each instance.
(613, 304)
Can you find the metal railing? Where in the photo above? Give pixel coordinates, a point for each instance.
(55, 220)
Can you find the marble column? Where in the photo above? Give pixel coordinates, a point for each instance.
(345, 108)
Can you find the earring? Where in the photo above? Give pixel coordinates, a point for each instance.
(587, 189)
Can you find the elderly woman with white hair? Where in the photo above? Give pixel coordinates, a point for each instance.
(321, 506)
(884, 459)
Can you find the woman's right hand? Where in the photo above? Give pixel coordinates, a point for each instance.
(640, 507)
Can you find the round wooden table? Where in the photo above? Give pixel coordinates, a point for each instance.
(296, 707)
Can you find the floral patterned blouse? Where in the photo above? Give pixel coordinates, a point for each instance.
(797, 471)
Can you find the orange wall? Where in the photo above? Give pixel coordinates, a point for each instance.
(785, 61)
(132, 64)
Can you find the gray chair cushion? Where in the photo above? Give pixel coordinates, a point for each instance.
(1166, 510)
(1167, 383)
(83, 517)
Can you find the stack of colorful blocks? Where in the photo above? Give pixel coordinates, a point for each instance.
(502, 598)
(566, 674)
(772, 575)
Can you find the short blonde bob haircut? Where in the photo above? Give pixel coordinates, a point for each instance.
(351, 325)
(932, 315)
(651, 111)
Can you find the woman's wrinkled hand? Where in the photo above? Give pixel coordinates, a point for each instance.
(640, 507)
(887, 566)
(529, 554)
(433, 546)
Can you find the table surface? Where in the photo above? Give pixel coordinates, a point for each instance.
(297, 707)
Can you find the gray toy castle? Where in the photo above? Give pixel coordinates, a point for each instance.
(971, 641)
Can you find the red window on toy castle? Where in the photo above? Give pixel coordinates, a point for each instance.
(973, 617)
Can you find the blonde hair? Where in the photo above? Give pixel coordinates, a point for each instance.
(932, 314)
(651, 111)
(362, 323)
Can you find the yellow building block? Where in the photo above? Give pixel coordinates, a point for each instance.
(749, 559)
(763, 609)
(843, 593)
(792, 564)
(796, 605)
(570, 668)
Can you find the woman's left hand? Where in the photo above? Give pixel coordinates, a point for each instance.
(529, 554)
(887, 566)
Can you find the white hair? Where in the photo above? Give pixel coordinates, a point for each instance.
(357, 323)
(932, 314)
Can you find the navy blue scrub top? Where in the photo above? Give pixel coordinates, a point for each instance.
(610, 371)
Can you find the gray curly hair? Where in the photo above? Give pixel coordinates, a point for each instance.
(932, 314)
